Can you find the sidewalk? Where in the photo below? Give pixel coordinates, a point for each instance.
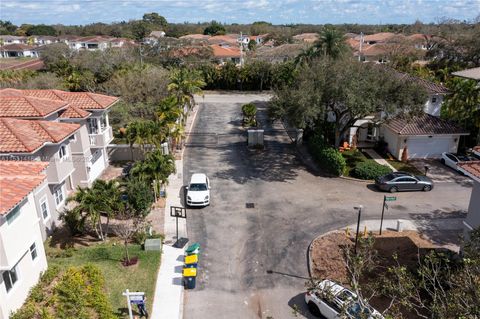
(168, 298)
(377, 158)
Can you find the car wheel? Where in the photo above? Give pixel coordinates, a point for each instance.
(314, 310)
(443, 161)
(393, 189)
(427, 188)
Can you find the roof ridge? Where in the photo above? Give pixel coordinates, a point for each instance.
(5, 122)
(90, 95)
(27, 98)
(45, 129)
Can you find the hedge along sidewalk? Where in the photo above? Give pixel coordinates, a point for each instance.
(377, 158)
(168, 297)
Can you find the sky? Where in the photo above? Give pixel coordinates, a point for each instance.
(75, 12)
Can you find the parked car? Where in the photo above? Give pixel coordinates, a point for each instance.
(451, 159)
(402, 181)
(329, 300)
(198, 191)
(126, 170)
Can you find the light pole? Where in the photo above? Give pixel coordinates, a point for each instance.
(359, 208)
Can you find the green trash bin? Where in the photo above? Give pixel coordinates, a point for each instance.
(193, 249)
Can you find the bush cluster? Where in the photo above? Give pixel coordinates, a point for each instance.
(328, 157)
(370, 170)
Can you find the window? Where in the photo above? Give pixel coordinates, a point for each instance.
(92, 126)
(103, 121)
(62, 152)
(33, 251)
(10, 278)
(434, 99)
(58, 194)
(72, 138)
(44, 208)
(13, 215)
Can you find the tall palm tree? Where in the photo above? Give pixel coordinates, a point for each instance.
(145, 133)
(331, 42)
(184, 84)
(169, 115)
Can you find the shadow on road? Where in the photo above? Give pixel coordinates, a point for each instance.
(299, 307)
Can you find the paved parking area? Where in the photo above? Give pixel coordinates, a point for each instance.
(254, 260)
(440, 173)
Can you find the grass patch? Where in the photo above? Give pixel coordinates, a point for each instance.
(401, 166)
(107, 258)
(353, 158)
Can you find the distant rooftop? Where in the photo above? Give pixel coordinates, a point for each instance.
(473, 74)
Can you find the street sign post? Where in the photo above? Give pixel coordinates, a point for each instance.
(178, 212)
(385, 206)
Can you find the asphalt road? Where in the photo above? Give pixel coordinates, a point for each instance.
(254, 260)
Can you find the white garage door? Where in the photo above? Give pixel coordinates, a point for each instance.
(426, 147)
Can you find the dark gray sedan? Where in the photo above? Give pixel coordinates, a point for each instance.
(402, 181)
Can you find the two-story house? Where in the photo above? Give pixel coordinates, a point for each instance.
(89, 110)
(38, 140)
(423, 136)
(22, 256)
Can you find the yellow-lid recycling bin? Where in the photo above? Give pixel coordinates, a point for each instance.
(189, 277)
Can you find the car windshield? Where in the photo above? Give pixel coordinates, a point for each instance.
(463, 158)
(197, 187)
(389, 177)
(355, 311)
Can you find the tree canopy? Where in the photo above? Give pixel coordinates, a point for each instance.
(215, 28)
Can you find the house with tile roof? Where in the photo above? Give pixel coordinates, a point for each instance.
(46, 141)
(472, 221)
(89, 110)
(22, 256)
(424, 135)
(226, 53)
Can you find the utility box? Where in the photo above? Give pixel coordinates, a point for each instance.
(165, 150)
(255, 138)
(153, 244)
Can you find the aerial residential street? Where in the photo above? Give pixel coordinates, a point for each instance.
(254, 260)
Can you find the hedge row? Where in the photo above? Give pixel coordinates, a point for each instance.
(370, 170)
(329, 158)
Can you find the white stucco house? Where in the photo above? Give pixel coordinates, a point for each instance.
(425, 136)
(18, 50)
(472, 221)
(22, 256)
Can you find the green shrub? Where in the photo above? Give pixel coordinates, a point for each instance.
(27, 311)
(74, 220)
(249, 112)
(370, 170)
(328, 158)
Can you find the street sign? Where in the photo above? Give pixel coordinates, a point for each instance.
(390, 198)
(180, 212)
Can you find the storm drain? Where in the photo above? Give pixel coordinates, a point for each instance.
(250, 205)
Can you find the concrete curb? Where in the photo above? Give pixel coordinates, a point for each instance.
(357, 179)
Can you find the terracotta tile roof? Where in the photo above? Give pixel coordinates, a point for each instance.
(472, 169)
(17, 180)
(473, 74)
(306, 37)
(81, 100)
(26, 106)
(33, 64)
(73, 112)
(424, 124)
(227, 38)
(379, 37)
(27, 136)
(476, 150)
(430, 87)
(225, 52)
(17, 47)
(195, 37)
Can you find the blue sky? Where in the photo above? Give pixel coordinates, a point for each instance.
(239, 11)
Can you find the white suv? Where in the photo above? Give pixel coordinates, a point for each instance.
(329, 300)
(198, 191)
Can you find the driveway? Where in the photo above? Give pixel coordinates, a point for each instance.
(440, 173)
(254, 260)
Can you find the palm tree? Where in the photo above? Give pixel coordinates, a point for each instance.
(145, 133)
(156, 168)
(102, 198)
(169, 115)
(184, 83)
(331, 42)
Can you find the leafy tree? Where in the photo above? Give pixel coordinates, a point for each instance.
(139, 197)
(344, 91)
(140, 29)
(6, 27)
(155, 19)
(252, 45)
(214, 28)
(41, 29)
(462, 105)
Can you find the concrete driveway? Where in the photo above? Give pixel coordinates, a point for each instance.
(254, 260)
(440, 173)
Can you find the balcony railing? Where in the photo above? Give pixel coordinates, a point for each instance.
(102, 139)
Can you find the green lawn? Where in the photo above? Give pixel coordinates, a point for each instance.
(353, 157)
(140, 277)
(404, 167)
